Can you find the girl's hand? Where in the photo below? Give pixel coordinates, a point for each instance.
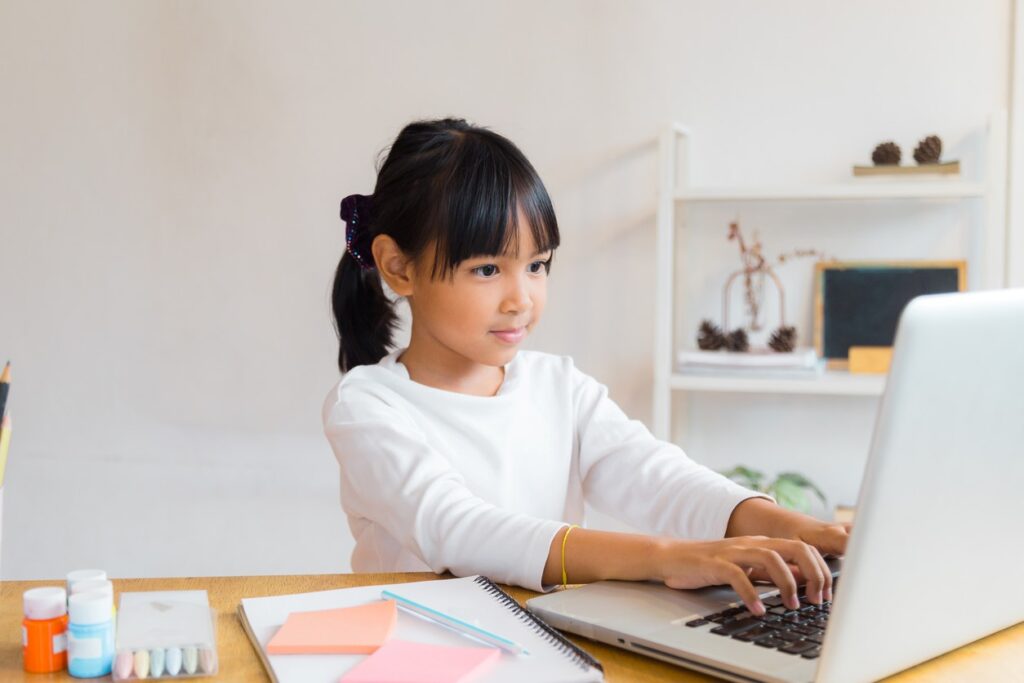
(741, 560)
(829, 538)
(760, 516)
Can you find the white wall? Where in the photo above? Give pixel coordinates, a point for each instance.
(169, 184)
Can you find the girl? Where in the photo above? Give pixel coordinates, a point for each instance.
(461, 453)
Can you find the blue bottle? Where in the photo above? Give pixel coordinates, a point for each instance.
(90, 634)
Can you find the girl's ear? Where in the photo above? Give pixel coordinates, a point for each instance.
(394, 266)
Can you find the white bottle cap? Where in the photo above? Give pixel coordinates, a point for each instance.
(45, 603)
(101, 585)
(84, 575)
(93, 607)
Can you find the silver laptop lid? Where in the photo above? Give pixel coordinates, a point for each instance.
(934, 560)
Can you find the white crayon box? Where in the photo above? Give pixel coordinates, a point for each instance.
(164, 635)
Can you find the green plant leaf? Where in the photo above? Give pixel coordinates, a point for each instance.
(803, 482)
(790, 495)
(746, 476)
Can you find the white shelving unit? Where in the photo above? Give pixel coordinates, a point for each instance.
(672, 199)
(861, 189)
(835, 383)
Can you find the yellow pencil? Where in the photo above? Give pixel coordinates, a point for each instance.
(5, 441)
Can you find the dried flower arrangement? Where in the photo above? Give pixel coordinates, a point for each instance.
(755, 270)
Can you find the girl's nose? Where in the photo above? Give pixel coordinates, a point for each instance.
(517, 297)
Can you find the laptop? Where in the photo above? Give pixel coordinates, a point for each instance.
(934, 558)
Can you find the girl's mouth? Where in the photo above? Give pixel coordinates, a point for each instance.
(510, 336)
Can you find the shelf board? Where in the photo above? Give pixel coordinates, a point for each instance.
(871, 189)
(833, 382)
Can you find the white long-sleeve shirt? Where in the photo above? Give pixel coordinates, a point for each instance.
(442, 481)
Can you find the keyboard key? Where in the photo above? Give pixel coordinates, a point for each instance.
(770, 642)
(811, 654)
(798, 647)
(816, 638)
(804, 631)
(788, 636)
(697, 622)
(778, 609)
(753, 633)
(734, 627)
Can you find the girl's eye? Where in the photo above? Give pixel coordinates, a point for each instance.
(538, 266)
(490, 270)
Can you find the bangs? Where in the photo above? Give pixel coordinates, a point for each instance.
(487, 184)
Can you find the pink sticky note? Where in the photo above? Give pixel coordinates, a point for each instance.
(400, 661)
(346, 630)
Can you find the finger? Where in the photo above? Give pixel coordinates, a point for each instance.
(826, 593)
(835, 539)
(809, 560)
(758, 574)
(776, 568)
(736, 577)
(826, 573)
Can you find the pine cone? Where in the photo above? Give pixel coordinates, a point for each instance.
(783, 339)
(710, 337)
(928, 150)
(887, 154)
(737, 340)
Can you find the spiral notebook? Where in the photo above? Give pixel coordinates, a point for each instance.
(475, 599)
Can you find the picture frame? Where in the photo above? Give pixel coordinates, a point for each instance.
(858, 303)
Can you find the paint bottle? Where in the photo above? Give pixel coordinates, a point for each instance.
(84, 575)
(101, 585)
(43, 631)
(90, 634)
(89, 585)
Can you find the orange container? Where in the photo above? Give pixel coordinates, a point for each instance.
(44, 630)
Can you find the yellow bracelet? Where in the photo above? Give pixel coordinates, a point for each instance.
(565, 579)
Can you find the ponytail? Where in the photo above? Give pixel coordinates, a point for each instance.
(364, 316)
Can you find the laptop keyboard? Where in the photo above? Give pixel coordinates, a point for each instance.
(795, 632)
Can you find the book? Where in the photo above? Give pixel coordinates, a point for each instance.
(474, 599)
(940, 168)
(800, 359)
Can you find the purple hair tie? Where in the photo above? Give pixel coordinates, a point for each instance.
(355, 211)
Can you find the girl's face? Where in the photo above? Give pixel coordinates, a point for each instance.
(485, 310)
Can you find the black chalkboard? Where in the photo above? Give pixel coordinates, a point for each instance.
(860, 304)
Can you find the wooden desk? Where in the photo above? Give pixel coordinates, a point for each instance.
(1000, 657)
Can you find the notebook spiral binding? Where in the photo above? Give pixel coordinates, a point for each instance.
(566, 647)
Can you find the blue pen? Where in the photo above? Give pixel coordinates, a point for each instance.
(456, 624)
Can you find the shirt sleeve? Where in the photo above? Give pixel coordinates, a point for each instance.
(647, 483)
(392, 476)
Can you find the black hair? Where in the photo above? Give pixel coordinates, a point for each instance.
(446, 183)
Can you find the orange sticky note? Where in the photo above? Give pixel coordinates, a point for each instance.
(400, 661)
(346, 630)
